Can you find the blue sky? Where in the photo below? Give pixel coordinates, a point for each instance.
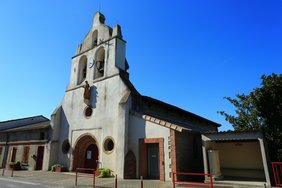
(190, 54)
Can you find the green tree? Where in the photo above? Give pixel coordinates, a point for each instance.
(261, 109)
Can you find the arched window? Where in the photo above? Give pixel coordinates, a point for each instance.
(82, 69)
(95, 38)
(99, 63)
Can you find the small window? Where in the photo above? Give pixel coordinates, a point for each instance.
(42, 136)
(14, 154)
(88, 111)
(65, 146)
(108, 145)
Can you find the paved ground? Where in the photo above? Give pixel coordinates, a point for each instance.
(43, 179)
(30, 179)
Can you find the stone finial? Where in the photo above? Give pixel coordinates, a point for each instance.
(117, 31)
(98, 19)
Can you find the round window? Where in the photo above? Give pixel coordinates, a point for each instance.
(109, 145)
(65, 146)
(88, 111)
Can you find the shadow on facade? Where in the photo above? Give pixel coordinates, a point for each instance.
(93, 96)
(64, 144)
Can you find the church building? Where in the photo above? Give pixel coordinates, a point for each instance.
(103, 121)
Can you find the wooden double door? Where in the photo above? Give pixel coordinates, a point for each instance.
(91, 156)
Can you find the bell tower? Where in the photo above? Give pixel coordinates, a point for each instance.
(93, 110)
(100, 55)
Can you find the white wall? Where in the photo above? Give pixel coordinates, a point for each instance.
(139, 128)
(107, 119)
(241, 159)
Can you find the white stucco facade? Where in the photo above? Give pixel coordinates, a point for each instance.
(107, 118)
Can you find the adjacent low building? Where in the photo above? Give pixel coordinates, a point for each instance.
(236, 156)
(25, 140)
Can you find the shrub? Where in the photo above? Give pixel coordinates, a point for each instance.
(53, 167)
(105, 173)
(15, 165)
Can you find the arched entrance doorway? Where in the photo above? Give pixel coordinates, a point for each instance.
(86, 152)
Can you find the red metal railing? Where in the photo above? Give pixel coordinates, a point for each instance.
(277, 172)
(187, 183)
(12, 171)
(83, 174)
(141, 182)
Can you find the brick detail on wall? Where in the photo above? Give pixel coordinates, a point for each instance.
(143, 156)
(160, 122)
(173, 151)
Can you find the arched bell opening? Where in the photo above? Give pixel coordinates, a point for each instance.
(82, 69)
(99, 63)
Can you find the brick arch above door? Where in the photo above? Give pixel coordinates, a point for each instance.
(82, 143)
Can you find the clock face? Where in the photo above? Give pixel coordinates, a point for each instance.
(91, 63)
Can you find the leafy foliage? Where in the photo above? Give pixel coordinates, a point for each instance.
(261, 109)
(105, 173)
(53, 167)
